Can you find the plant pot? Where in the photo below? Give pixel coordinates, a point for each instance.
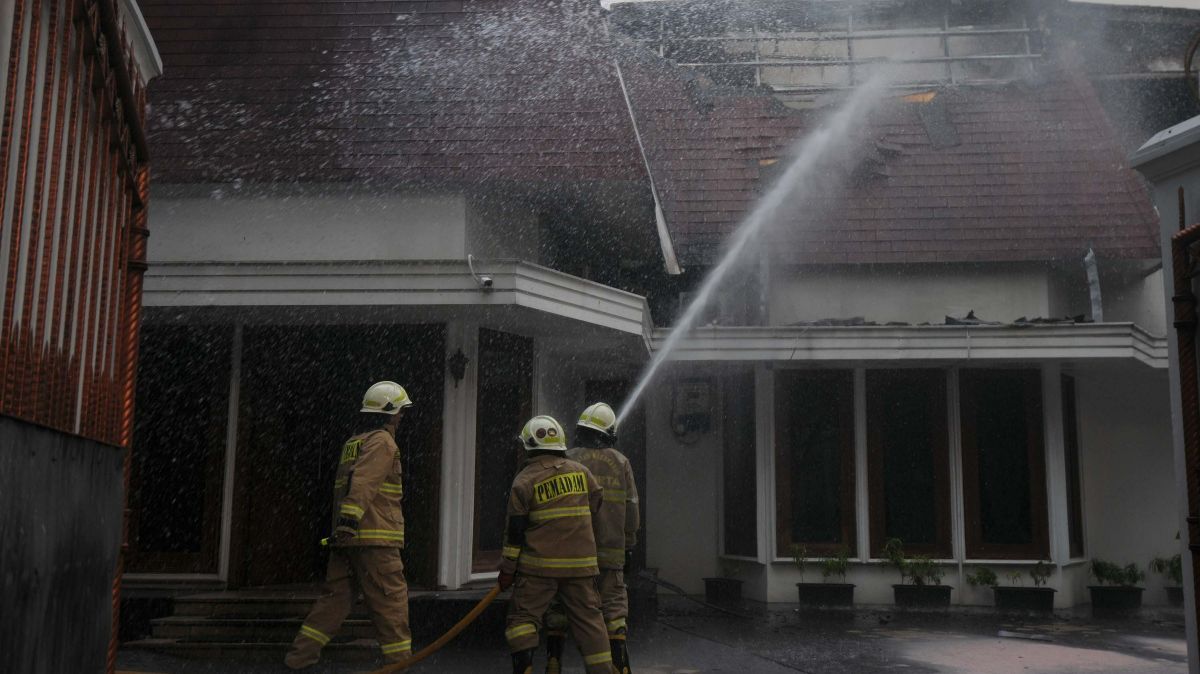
(922, 596)
(722, 590)
(825, 594)
(1037, 599)
(1174, 595)
(1115, 598)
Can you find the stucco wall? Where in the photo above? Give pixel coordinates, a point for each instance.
(1130, 503)
(223, 224)
(683, 482)
(908, 294)
(502, 227)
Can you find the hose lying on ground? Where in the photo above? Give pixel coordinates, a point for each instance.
(445, 638)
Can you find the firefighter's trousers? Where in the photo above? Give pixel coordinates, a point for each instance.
(379, 573)
(531, 596)
(614, 604)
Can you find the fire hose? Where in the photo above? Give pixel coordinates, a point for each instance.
(445, 638)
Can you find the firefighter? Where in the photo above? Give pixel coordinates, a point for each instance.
(368, 536)
(616, 532)
(550, 549)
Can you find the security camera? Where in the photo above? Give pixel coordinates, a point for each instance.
(485, 282)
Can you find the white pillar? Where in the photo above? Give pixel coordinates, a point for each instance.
(457, 511)
(764, 431)
(231, 436)
(1057, 509)
(958, 527)
(862, 503)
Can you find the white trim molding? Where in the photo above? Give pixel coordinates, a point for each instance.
(943, 343)
(429, 283)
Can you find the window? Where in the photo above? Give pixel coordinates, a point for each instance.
(740, 493)
(1004, 484)
(1071, 450)
(179, 448)
(504, 402)
(814, 457)
(908, 461)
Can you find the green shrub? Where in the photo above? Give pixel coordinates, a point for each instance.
(1108, 573)
(799, 556)
(836, 566)
(1040, 573)
(1171, 567)
(983, 577)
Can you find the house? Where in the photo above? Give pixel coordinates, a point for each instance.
(73, 196)
(505, 205)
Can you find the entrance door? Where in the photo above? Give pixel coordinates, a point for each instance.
(300, 392)
(504, 402)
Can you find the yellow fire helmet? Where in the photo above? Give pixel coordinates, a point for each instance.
(599, 417)
(385, 397)
(543, 432)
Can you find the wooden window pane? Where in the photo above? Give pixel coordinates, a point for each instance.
(814, 450)
(1003, 464)
(1074, 486)
(908, 460)
(740, 494)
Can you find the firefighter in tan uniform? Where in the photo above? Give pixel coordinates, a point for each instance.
(550, 549)
(616, 532)
(368, 536)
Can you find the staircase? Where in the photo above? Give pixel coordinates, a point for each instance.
(259, 624)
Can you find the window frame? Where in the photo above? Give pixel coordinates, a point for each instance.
(844, 380)
(943, 547)
(975, 547)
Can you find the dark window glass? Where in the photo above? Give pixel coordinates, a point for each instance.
(740, 496)
(908, 461)
(814, 460)
(504, 402)
(1071, 449)
(1003, 464)
(179, 447)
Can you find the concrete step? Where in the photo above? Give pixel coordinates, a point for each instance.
(240, 630)
(359, 650)
(238, 605)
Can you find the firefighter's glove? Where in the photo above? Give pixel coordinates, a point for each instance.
(346, 529)
(505, 580)
(628, 561)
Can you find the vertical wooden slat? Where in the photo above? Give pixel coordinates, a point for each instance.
(56, 237)
(40, 233)
(10, 338)
(91, 201)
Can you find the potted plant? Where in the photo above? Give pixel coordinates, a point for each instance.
(825, 593)
(1016, 597)
(725, 589)
(1118, 590)
(1172, 569)
(924, 574)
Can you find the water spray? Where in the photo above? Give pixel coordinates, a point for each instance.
(800, 173)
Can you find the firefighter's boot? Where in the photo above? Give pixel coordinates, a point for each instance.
(554, 652)
(620, 654)
(523, 661)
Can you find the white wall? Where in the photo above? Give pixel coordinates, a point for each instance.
(221, 224)
(500, 226)
(912, 294)
(1136, 298)
(1130, 503)
(682, 483)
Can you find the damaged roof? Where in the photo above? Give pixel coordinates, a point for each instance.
(471, 91)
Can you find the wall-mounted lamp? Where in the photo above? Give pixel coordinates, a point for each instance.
(458, 366)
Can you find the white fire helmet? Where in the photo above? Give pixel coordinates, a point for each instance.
(385, 397)
(599, 417)
(543, 432)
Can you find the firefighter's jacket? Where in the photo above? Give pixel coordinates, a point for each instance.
(559, 497)
(368, 490)
(618, 521)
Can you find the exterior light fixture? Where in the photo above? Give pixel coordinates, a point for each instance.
(458, 366)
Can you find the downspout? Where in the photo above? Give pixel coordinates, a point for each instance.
(1184, 301)
(660, 221)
